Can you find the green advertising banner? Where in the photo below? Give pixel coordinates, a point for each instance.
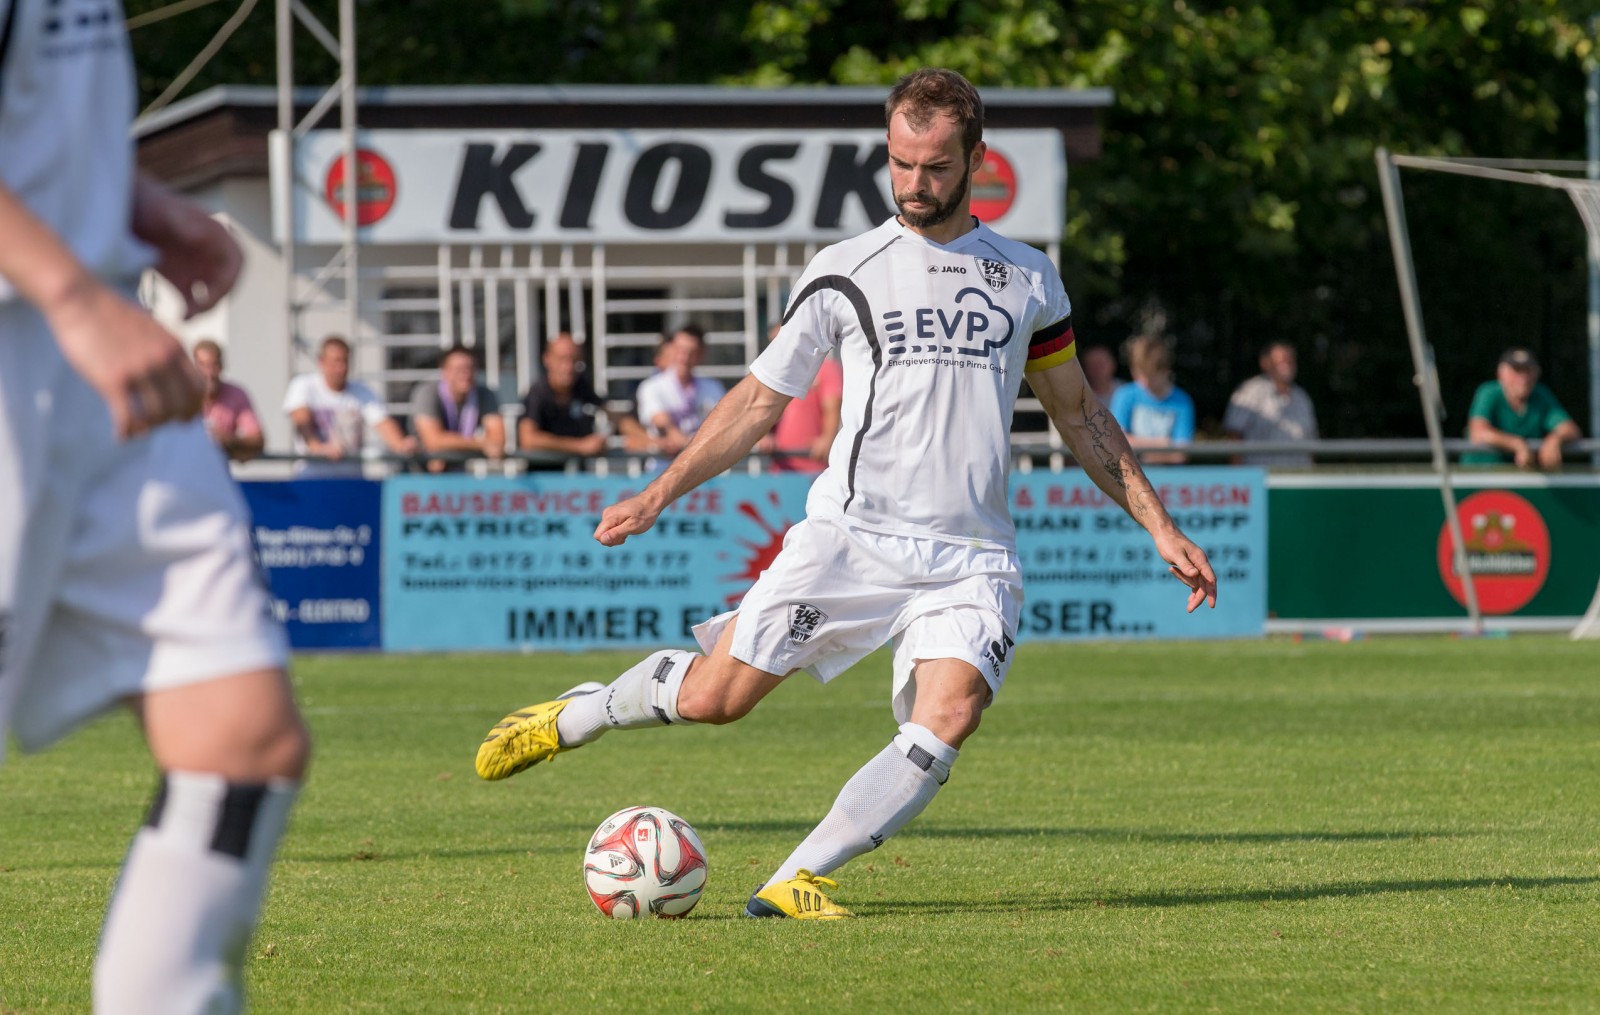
(1347, 547)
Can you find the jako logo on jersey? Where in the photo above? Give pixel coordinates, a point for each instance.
(996, 273)
(977, 323)
(950, 269)
(804, 619)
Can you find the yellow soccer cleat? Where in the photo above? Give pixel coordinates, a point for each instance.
(799, 898)
(525, 737)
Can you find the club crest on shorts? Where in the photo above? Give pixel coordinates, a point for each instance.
(996, 273)
(804, 619)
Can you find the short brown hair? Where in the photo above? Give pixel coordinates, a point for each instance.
(923, 94)
(208, 345)
(333, 342)
(1149, 355)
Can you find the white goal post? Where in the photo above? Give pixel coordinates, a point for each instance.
(1585, 194)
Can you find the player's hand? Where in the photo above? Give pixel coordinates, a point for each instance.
(1188, 563)
(623, 519)
(197, 253)
(134, 363)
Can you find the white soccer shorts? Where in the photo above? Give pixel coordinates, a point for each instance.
(835, 594)
(124, 567)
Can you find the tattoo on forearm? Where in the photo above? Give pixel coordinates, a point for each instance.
(1099, 436)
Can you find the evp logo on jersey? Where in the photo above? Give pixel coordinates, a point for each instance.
(975, 326)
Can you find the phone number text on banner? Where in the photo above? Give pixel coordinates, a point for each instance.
(512, 563)
(1090, 571)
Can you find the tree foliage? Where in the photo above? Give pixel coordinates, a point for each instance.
(1237, 198)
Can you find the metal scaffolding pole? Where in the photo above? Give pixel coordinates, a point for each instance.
(346, 262)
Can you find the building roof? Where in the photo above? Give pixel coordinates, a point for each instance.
(223, 131)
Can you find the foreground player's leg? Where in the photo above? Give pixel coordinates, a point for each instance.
(670, 688)
(232, 754)
(885, 794)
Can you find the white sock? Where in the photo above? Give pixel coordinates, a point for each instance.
(188, 897)
(887, 792)
(646, 695)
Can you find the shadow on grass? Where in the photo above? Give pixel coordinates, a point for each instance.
(1161, 900)
(1101, 834)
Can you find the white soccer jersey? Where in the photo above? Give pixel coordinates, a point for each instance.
(934, 340)
(66, 80)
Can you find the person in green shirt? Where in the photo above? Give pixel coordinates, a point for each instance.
(1518, 416)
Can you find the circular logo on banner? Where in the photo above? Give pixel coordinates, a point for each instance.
(1508, 551)
(375, 187)
(994, 187)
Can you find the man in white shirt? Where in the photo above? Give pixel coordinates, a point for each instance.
(1272, 407)
(332, 415)
(674, 401)
(908, 536)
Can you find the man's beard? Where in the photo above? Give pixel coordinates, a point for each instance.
(940, 212)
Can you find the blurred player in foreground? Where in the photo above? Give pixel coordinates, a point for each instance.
(907, 537)
(126, 572)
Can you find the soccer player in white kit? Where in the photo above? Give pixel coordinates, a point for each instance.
(907, 537)
(126, 570)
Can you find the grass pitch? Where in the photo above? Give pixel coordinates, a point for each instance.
(1388, 825)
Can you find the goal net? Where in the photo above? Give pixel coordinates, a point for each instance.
(1585, 195)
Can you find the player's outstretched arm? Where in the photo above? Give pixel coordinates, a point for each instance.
(742, 417)
(134, 363)
(1100, 446)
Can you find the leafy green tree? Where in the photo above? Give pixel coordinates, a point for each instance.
(1236, 199)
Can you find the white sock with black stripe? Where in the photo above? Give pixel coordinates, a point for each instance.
(646, 695)
(877, 802)
(189, 895)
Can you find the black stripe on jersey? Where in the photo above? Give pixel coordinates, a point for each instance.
(1051, 338)
(5, 36)
(858, 299)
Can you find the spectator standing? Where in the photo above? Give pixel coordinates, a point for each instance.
(229, 417)
(1100, 367)
(1272, 407)
(562, 413)
(1519, 417)
(673, 402)
(332, 415)
(457, 414)
(1152, 410)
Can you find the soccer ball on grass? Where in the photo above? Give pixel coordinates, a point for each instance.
(644, 860)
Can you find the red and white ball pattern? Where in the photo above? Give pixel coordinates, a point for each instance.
(644, 861)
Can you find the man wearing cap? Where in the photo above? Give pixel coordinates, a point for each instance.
(1519, 416)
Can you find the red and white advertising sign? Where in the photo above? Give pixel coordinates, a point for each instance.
(646, 186)
(1508, 551)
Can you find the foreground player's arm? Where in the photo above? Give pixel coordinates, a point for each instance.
(1099, 444)
(742, 417)
(130, 360)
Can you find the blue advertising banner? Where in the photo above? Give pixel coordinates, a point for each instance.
(512, 563)
(319, 543)
(1091, 571)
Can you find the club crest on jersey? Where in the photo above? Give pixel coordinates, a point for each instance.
(996, 273)
(804, 619)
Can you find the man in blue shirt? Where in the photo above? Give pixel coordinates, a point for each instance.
(1152, 410)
